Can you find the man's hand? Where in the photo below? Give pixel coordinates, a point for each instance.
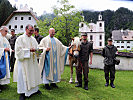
(48, 49)
(13, 51)
(7, 49)
(32, 50)
(90, 62)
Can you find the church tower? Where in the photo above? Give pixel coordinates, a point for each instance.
(100, 23)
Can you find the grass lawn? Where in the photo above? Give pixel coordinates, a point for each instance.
(66, 91)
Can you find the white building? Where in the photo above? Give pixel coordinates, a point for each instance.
(20, 18)
(96, 32)
(123, 39)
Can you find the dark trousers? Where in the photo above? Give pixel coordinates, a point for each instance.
(111, 70)
(83, 65)
(12, 61)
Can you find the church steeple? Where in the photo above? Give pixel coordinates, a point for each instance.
(100, 17)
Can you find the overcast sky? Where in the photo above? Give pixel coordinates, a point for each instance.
(39, 6)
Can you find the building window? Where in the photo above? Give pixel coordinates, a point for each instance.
(122, 41)
(118, 41)
(21, 27)
(100, 37)
(100, 24)
(100, 43)
(29, 18)
(128, 46)
(128, 41)
(118, 46)
(9, 26)
(15, 18)
(22, 18)
(82, 25)
(15, 26)
(91, 37)
(122, 46)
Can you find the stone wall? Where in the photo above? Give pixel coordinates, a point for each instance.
(126, 63)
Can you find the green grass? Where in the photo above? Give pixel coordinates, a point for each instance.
(66, 91)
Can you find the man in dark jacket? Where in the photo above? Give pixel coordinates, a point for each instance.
(12, 41)
(38, 37)
(109, 54)
(86, 51)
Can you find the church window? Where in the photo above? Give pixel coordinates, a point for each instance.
(100, 24)
(128, 46)
(122, 41)
(100, 37)
(100, 43)
(82, 25)
(91, 37)
(128, 41)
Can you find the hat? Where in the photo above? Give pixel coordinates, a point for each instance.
(84, 34)
(109, 39)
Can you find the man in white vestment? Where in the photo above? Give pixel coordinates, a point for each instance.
(52, 59)
(26, 71)
(4, 57)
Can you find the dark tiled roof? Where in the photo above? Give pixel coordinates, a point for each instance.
(117, 35)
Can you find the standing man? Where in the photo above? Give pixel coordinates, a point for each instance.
(86, 51)
(4, 57)
(26, 72)
(12, 44)
(109, 54)
(53, 59)
(38, 37)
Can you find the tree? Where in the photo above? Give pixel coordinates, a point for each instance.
(5, 10)
(66, 22)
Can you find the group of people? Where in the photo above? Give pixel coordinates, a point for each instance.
(29, 71)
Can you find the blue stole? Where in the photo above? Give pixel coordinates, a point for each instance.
(47, 60)
(3, 66)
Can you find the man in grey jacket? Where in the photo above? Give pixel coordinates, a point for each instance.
(109, 54)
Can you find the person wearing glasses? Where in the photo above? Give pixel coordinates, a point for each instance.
(52, 60)
(12, 44)
(4, 57)
(26, 70)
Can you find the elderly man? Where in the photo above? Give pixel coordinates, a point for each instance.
(26, 72)
(4, 57)
(12, 41)
(53, 59)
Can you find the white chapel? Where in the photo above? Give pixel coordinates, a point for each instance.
(96, 32)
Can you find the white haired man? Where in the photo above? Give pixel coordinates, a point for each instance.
(4, 57)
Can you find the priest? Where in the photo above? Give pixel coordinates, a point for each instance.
(26, 71)
(4, 57)
(52, 59)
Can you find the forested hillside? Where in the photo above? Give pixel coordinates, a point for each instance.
(122, 18)
(5, 10)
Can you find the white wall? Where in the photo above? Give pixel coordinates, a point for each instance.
(20, 22)
(125, 44)
(97, 62)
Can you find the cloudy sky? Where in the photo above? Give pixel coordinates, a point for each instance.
(39, 6)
